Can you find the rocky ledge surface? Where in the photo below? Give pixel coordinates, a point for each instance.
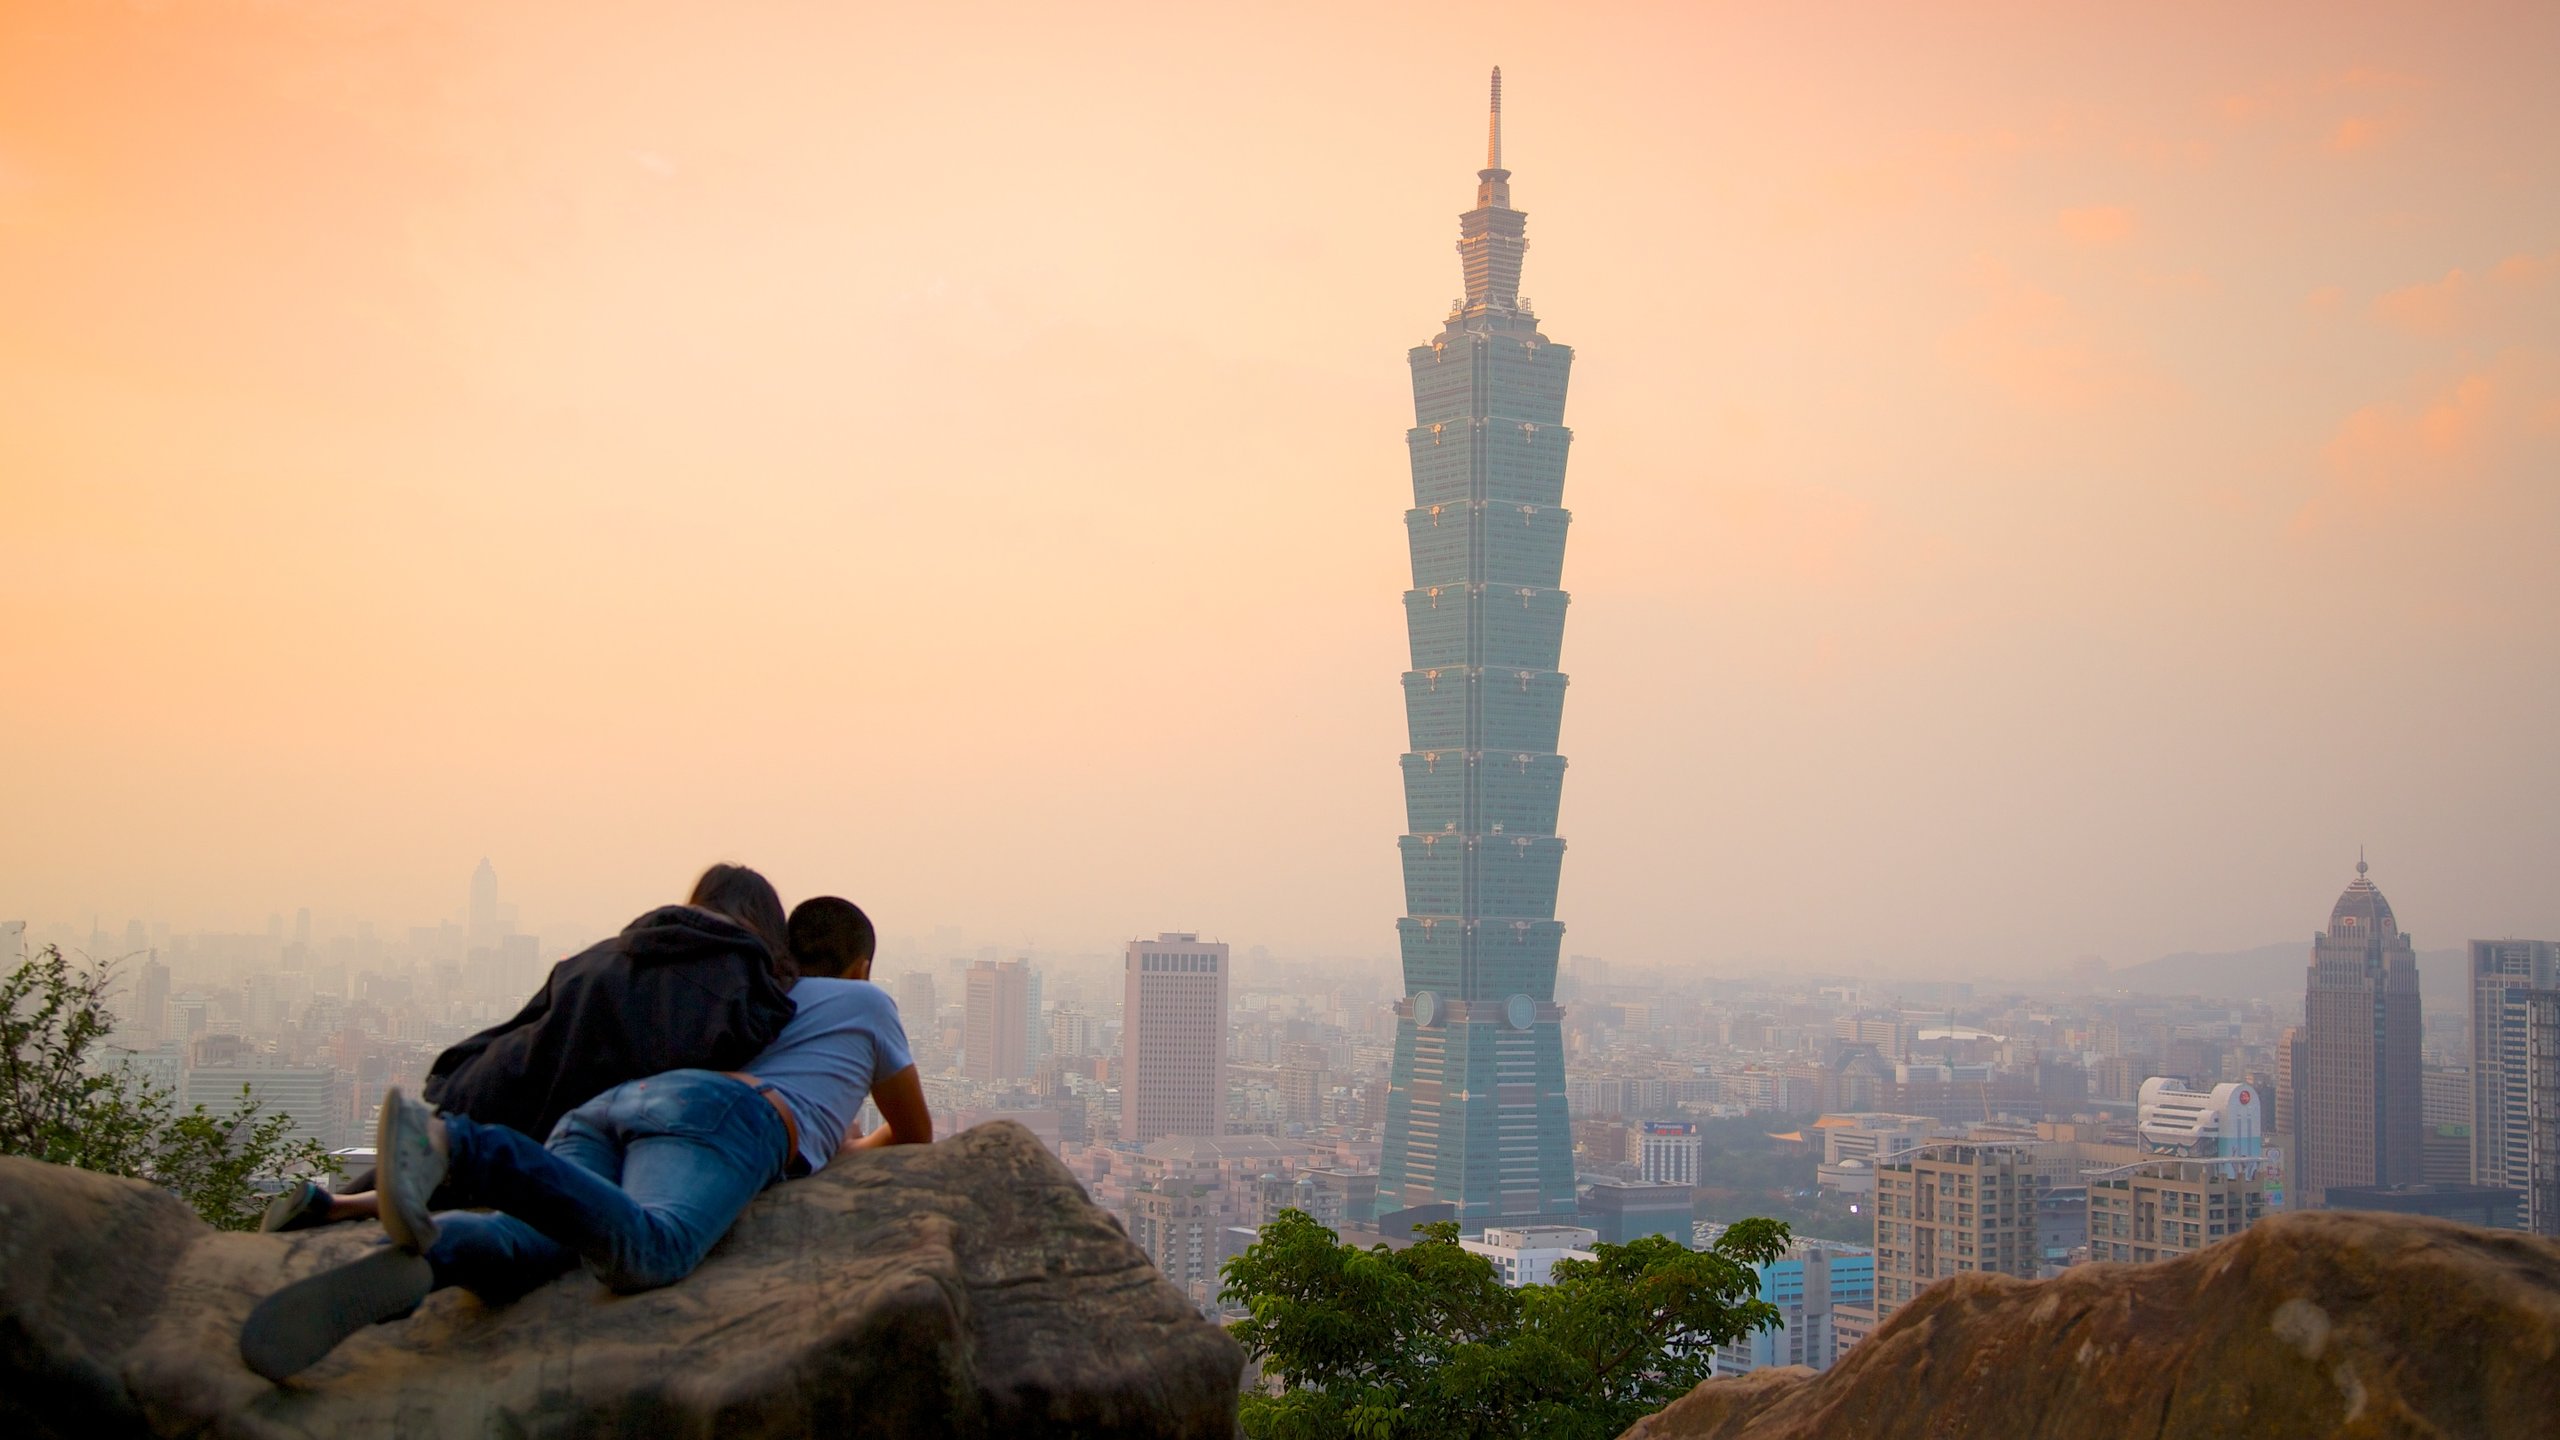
(966, 1288)
(2319, 1324)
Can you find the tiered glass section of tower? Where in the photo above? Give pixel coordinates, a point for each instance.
(1476, 1113)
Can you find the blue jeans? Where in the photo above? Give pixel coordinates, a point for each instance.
(639, 1183)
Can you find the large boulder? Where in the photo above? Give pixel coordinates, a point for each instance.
(964, 1289)
(2322, 1324)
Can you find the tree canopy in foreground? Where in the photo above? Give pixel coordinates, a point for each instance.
(1426, 1343)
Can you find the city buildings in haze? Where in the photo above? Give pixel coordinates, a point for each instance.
(1476, 1112)
(2359, 1089)
(1173, 1038)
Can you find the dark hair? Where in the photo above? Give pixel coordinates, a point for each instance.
(831, 936)
(748, 898)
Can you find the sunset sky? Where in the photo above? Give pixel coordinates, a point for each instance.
(2048, 480)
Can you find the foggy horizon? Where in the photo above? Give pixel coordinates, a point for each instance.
(2044, 486)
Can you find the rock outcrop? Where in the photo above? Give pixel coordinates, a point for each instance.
(964, 1289)
(2321, 1324)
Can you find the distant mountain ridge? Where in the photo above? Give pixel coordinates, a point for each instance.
(2274, 972)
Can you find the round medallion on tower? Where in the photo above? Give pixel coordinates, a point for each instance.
(1519, 1010)
(1426, 1008)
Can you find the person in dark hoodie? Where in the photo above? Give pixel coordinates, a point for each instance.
(637, 1184)
(703, 985)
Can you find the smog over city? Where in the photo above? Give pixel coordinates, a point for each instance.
(1930, 565)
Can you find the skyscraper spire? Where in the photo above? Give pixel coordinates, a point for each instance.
(1493, 236)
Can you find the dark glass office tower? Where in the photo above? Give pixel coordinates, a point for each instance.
(2362, 1095)
(1476, 1113)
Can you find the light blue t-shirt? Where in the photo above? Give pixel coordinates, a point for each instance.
(844, 1033)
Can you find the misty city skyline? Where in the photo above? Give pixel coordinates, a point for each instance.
(2047, 487)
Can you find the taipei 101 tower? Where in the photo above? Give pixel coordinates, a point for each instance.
(1476, 1112)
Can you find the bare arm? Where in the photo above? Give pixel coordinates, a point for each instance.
(904, 1118)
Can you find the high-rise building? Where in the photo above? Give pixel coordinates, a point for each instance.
(485, 925)
(2444, 1124)
(1071, 1033)
(1954, 1208)
(1172, 1222)
(314, 1096)
(995, 1035)
(2175, 1204)
(1814, 1276)
(2541, 1178)
(1173, 1038)
(1476, 1112)
(1302, 1092)
(1667, 1151)
(2361, 1098)
(151, 996)
(2503, 974)
(1035, 1038)
(917, 1005)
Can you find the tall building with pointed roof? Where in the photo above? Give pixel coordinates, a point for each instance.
(1476, 1107)
(2360, 1093)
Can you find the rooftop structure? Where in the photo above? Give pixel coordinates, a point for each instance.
(1527, 1254)
(2174, 1120)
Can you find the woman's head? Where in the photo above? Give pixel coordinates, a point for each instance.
(748, 898)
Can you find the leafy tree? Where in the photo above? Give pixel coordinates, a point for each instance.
(1426, 1343)
(58, 1103)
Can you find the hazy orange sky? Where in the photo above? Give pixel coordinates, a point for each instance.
(2048, 480)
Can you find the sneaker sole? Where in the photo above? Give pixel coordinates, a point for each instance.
(296, 1209)
(411, 1232)
(296, 1327)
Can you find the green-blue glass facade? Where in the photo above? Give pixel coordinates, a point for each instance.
(1476, 1112)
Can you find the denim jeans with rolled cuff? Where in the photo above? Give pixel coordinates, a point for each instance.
(638, 1183)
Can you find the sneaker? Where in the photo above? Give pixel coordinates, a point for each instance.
(302, 1205)
(294, 1328)
(409, 1146)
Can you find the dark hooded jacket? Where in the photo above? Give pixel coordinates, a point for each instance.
(680, 988)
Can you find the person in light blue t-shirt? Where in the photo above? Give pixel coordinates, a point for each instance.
(638, 1183)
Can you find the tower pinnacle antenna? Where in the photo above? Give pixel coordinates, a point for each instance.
(1493, 126)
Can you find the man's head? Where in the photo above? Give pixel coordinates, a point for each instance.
(832, 937)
